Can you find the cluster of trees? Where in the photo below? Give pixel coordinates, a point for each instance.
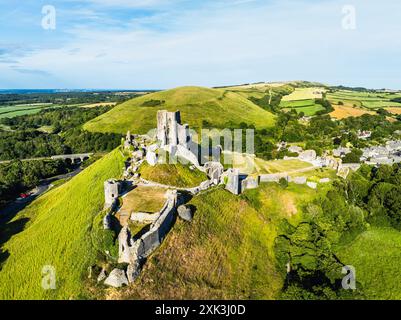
(19, 176)
(396, 100)
(368, 197)
(64, 98)
(26, 141)
(60, 119)
(308, 249)
(153, 103)
(325, 104)
(272, 99)
(378, 190)
(30, 144)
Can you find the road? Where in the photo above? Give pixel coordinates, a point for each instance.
(12, 209)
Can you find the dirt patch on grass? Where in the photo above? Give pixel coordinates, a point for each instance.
(143, 199)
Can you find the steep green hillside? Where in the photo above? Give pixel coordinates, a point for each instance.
(57, 233)
(220, 108)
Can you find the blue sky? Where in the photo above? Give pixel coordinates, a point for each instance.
(157, 44)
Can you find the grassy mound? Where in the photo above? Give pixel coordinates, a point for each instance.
(176, 175)
(57, 234)
(226, 251)
(376, 256)
(218, 107)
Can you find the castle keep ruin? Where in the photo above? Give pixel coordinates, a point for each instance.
(170, 131)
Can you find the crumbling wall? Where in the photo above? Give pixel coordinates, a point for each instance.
(159, 229)
(134, 252)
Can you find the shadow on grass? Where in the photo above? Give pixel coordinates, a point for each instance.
(8, 227)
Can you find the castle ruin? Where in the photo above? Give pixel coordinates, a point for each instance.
(112, 189)
(170, 131)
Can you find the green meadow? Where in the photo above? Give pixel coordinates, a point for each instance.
(56, 231)
(21, 110)
(307, 106)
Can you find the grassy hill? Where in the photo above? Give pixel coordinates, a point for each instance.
(57, 233)
(218, 107)
(226, 252)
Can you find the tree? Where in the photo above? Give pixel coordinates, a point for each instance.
(353, 157)
(283, 183)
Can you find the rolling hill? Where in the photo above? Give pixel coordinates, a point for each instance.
(226, 252)
(219, 107)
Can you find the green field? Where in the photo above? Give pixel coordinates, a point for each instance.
(20, 110)
(303, 100)
(26, 109)
(376, 256)
(220, 108)
(56, 231)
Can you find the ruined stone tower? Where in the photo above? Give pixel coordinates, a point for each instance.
(170, 131)
(111, 192)
(233, 183)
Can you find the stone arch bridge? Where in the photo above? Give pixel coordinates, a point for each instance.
(73, 157)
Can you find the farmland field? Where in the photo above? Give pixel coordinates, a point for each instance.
(26, 109)
(394, 110)
(20, 110)
(303, 100)
(307, 106)
(369, 100)
(341, 112)
(304, 93)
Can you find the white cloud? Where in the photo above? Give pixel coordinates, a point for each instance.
(223, 45)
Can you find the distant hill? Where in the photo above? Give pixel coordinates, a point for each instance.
(219, 107)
